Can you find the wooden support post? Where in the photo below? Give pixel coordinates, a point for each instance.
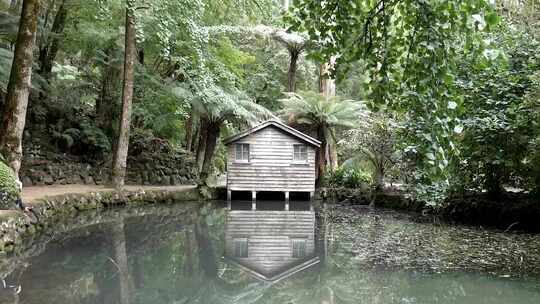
(286, 200)
(253, 200)
(229, 196)
(311, 196)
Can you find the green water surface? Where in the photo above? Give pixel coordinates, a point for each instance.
(177, 254)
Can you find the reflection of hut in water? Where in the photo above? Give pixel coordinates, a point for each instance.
(271, 245)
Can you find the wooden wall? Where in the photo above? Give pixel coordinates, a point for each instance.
(270, 235)
(271, 166)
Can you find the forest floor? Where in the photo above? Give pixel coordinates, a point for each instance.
(33, 193)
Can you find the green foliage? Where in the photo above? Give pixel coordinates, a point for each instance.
(232, 58)
(157, 108)
(373, 140)
(84, 138)
(319, 113)
(347, 177)
(9, 190)
(408, 50)
(501, 119)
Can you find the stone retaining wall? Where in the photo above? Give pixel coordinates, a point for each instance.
(164, 169)
(15, 227)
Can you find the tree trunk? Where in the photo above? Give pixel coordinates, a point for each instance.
(14, 109)
(203, 139)
(332, 155)
(321, 155)
(121, 153)
(2, 98)
(195, 137)
(138, 273)
(207, 258)
(286, 5)
(121, 260)
(188, 261)
(493, 181)
(189, 131)
(379, 176)
(140, 56)
(291, 73)
(107, 105)
(327, 85)
(211, 143)
(48, 53)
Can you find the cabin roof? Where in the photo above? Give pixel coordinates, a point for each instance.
(277, 124)
(275, 277)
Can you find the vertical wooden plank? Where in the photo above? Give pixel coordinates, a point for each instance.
(253, 200)
(286, 200)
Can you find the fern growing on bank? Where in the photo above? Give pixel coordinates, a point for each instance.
(9, 191)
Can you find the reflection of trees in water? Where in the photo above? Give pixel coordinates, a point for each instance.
(175, 256)
(207, 255)
(121, 261)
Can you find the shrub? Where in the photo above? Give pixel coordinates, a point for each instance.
(83, 137)
(9, 191)
(347, 177)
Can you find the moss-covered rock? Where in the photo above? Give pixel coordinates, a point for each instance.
(9, 191)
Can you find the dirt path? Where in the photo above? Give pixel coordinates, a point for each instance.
(36, 192)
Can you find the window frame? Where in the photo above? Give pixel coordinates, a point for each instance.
(295, 153)
(240, 252)
(298, 252)
(242, 152)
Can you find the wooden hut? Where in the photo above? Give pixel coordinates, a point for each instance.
(271, 245)
(271, 157)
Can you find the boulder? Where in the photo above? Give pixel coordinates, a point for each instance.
(48, 179)
(88, 180)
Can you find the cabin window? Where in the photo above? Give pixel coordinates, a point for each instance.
(242, 152)
(240, 248)
(299, 248)
(300, 153)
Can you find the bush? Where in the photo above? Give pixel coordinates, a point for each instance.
(9, 191)
(83, 137)
(347, 177)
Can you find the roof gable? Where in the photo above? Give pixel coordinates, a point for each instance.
(279, 125)
(280, 275)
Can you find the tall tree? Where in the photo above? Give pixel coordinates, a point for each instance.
(107, 104)
(214, 114)
(14, 109)
(118, 236)
(295, 45)
(130, 55)
(323, 116)
(50, 48)
(327, 87)
(409, 50)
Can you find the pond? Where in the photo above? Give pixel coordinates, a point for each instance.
(204, 253)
